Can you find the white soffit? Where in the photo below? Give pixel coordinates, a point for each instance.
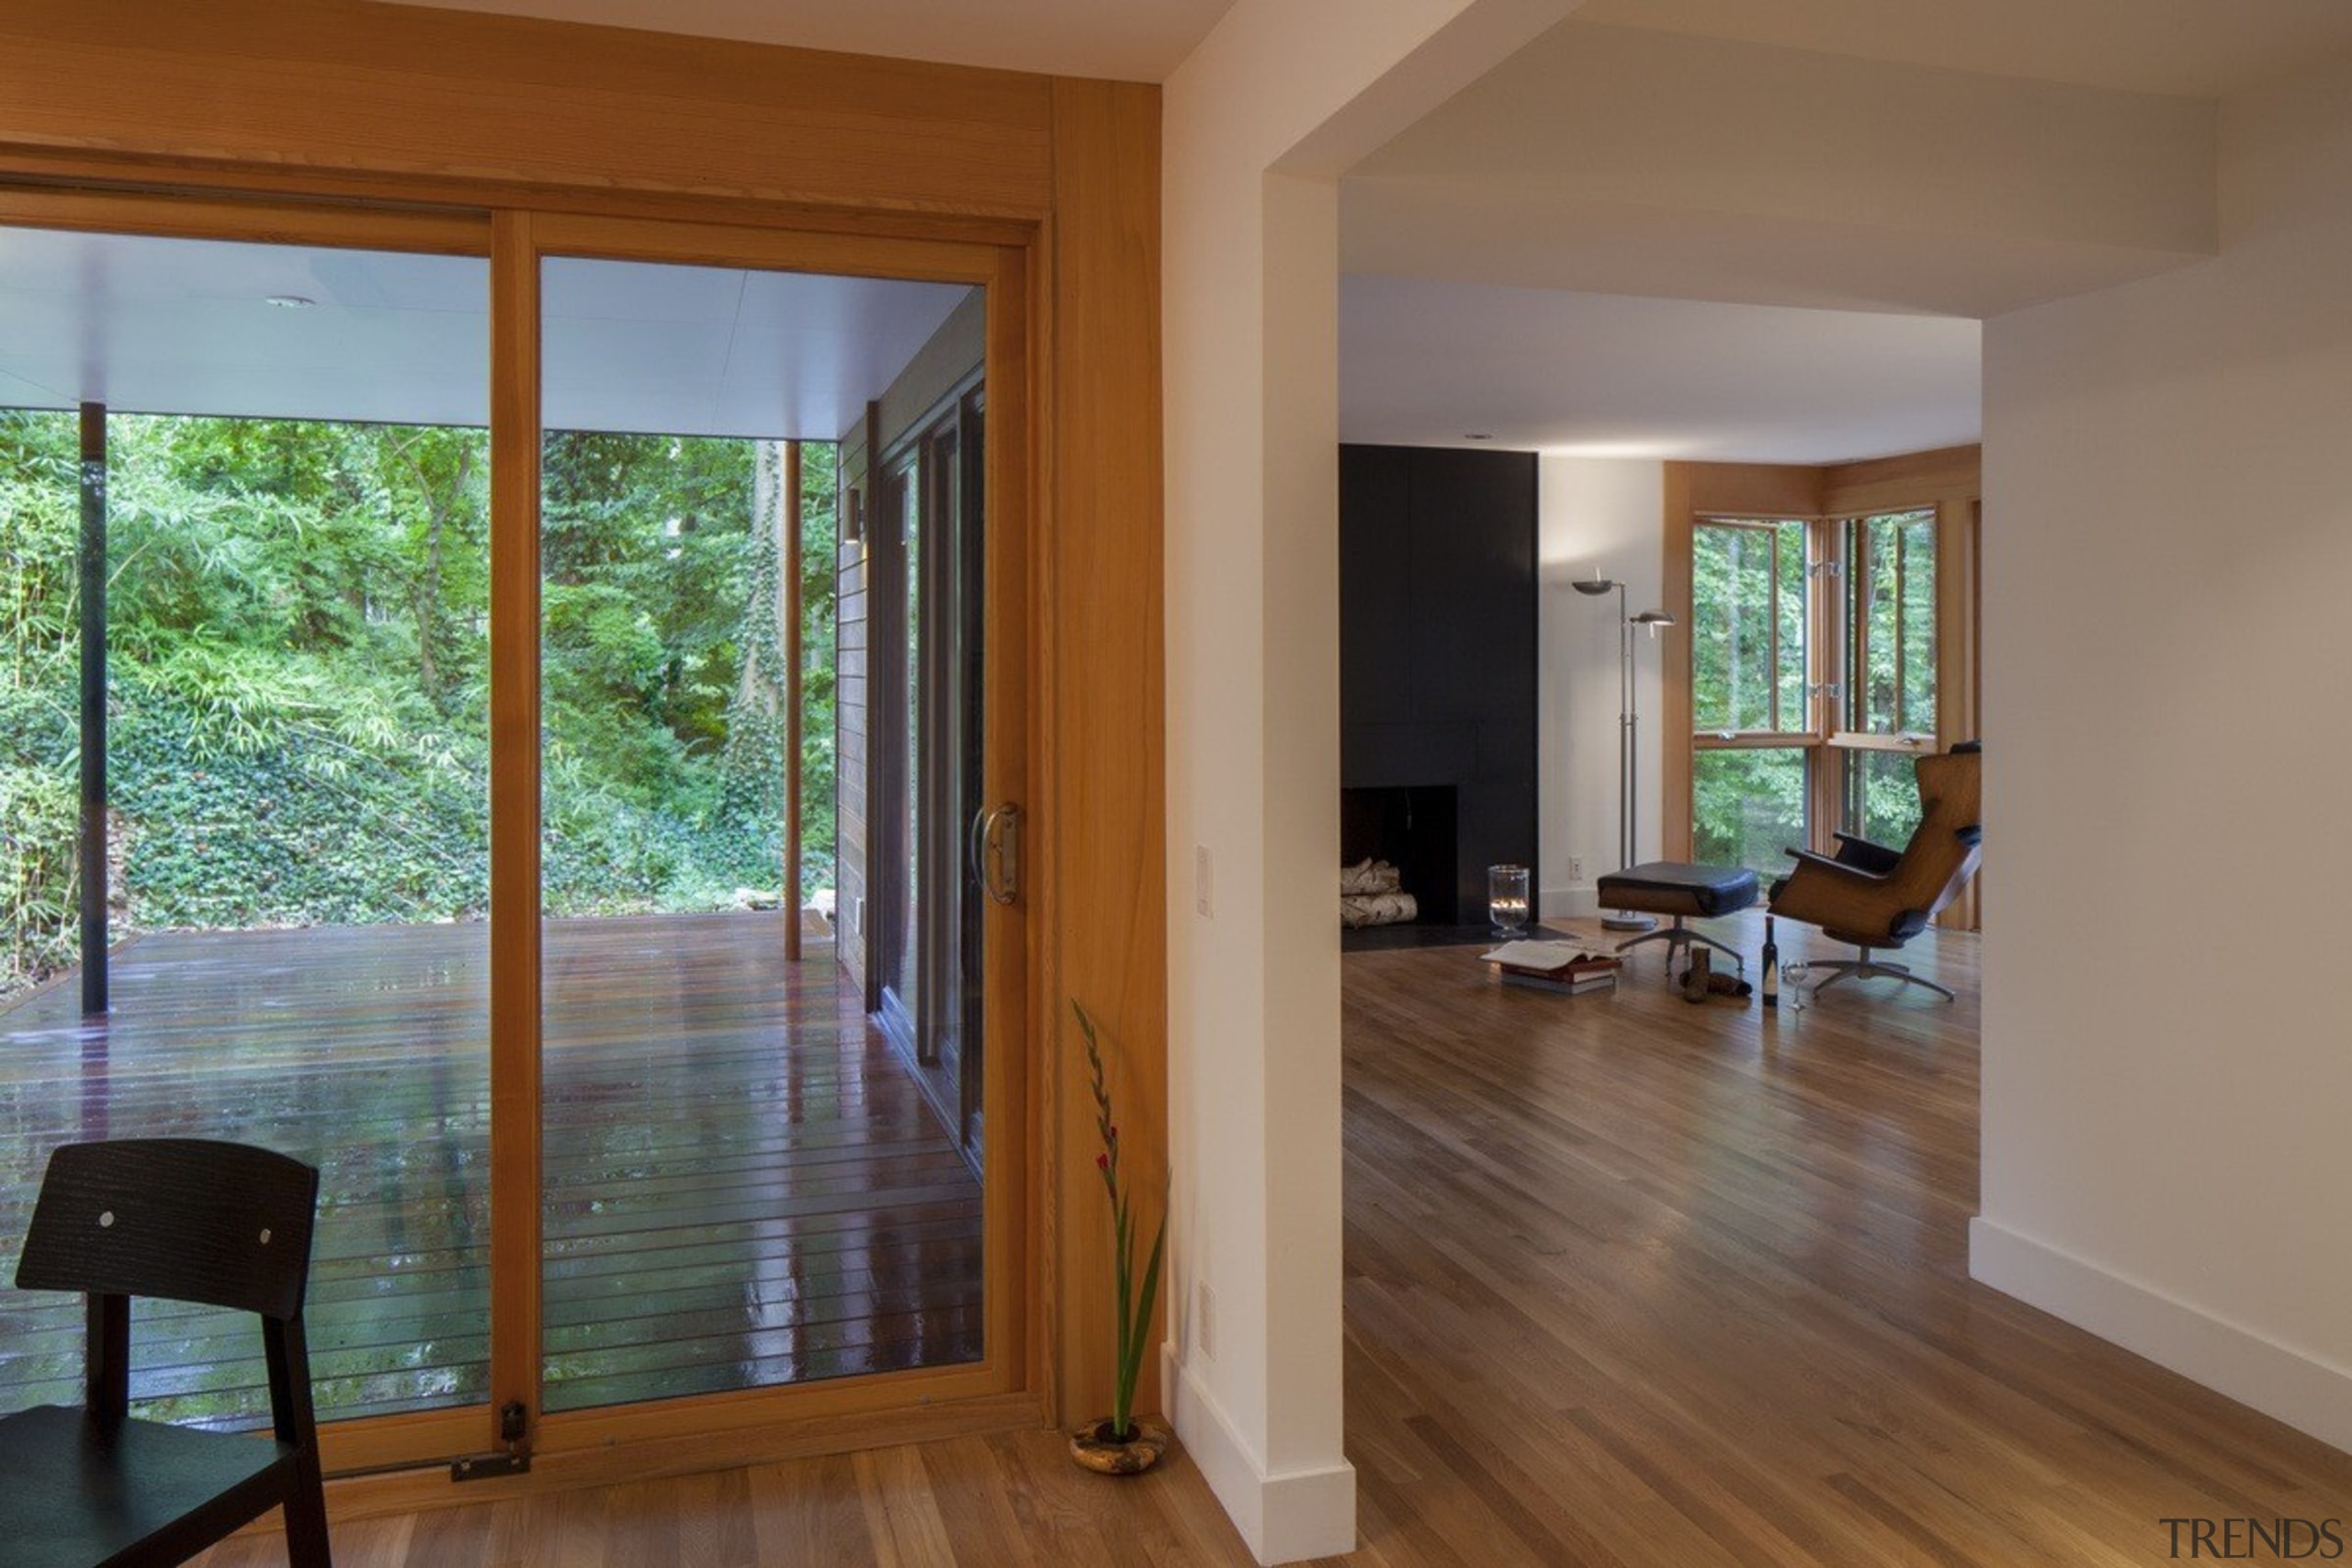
(150, 325)
(1129, 40)
(1621, 159)
(1429, 364)
(2196, 48)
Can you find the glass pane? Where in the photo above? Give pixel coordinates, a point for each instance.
(1882, 797)
(1891, 663)
(1734, 604)
(906, 979)
(298, 761)
(748, 1182)
(1748, 806)
(1918, 535)
(1791, 610)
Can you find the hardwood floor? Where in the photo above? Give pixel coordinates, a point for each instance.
(1635, 1282)
(1629, 1281)
(1014, 1500)
(744, 1187)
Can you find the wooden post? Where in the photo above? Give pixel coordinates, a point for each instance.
(793, 512)
(94, 709)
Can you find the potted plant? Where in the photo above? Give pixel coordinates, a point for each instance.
(1119, 1444)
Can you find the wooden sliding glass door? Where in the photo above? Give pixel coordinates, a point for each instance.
(596, 1147)
(751, 1201)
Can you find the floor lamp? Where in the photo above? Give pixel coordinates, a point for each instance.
(1629, 723)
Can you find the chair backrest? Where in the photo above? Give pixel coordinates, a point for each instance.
(1943, 851)
(183, 1219)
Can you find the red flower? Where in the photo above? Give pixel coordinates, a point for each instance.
(1102, 1163)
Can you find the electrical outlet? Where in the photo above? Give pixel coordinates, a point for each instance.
(1576, 868)
(857, 915)
(1201, 880)
(1204, 1322)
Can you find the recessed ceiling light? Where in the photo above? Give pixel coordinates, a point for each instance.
(290, 301)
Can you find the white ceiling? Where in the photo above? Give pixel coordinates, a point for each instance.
(2198, 47)
(1131, 40)
(1429, 363)
(150, 325)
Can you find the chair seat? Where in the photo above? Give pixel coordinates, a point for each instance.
(1673, 887)
(75, 1495)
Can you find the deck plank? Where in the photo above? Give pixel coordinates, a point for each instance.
(743, 1186)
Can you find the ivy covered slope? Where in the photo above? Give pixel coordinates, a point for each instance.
(297, 620)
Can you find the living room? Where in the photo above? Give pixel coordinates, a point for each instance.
(2143, 205)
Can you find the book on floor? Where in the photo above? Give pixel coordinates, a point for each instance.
(1604, 980)
(1560, 966)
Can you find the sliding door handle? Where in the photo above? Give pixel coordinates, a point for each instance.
(996, 853)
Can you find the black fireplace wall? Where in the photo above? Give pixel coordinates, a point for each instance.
(1438, 642)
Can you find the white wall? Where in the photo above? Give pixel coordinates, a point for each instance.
(2168, 537)
(1596, 517)
(1258, 123)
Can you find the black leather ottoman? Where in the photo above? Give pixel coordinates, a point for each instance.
(1681, 892)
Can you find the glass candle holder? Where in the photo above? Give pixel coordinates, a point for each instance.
(1507, 898)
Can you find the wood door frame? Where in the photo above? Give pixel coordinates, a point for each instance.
(1014, 1383)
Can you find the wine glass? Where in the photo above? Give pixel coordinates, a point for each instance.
(1792, 979)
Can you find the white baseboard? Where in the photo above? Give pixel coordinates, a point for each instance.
(1284, 1518)
(2304, 1391)
(1584, 900)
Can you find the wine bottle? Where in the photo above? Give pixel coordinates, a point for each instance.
(1771, 989)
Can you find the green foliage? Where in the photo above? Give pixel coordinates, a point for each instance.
(1748, 647)
(1746, 652)
(39, 518)
(299, 671)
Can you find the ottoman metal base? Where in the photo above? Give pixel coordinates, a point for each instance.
(1679, 936)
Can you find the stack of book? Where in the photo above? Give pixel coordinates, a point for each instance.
(1554, 966)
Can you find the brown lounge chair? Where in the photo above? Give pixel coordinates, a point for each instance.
(1878, 898)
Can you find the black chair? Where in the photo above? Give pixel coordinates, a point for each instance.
(178, 1219)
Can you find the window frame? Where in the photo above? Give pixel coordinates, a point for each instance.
(1944, 484)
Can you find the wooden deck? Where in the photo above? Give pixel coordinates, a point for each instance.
(744, 1188)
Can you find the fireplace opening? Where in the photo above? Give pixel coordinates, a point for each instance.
(1413, 829)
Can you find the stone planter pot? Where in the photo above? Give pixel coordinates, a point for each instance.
(1093, 1448)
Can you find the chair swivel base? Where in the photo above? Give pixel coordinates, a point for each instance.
(1679, 936)
(1868, 968)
